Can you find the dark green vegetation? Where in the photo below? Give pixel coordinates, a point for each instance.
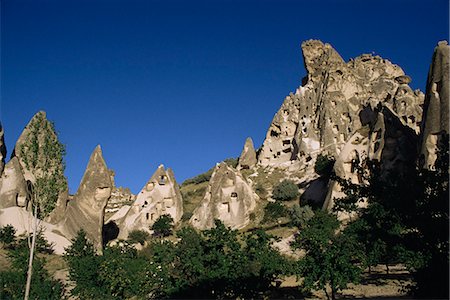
(163, 226)
(12, 281)
(232, 162)
(215, 263)
(324, 165)
(285, 191)
(138, 236)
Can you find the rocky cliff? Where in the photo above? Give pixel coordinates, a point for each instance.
(87, 208)
(229, 198)
(2, 149)
(247, 159)
(436, 106)
(324, 112)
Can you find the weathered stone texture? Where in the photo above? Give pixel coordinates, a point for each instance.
(228, 198)
(248, 155)
(159, 196)
(2, 149)
(87, 208)
(324, 112)
(13, 187)
(436, 106)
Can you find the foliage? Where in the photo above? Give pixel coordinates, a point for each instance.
(12, 282)
(7, 235)
(285, 191)
(300, 215)
(324, 165)
(163, 226)
(138, 236)
(260, 190)
(331, 256)
(42, 153)
(273, 211)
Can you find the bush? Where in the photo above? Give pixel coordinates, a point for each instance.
(285, 191)
(138, 236)
(274, 211)
(7, 235)
(324, 165)
(300, 215)
(163, 226)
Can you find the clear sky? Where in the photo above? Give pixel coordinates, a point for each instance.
(183, 83)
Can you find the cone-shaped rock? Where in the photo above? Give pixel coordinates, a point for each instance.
(228, 198)
(248, 155)
(436, 106)
(2, 149)
(324, 112)
(87, 208)
(13, 187)
(159, 196)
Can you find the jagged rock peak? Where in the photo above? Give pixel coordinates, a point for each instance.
(87, 208)
(436, 106)
(228, 198)
(324, 112)
(2, 149)
(248, 155)
(159, 196)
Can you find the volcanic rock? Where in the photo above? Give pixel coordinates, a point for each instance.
(160, 195)
(436, 106)
(2, 149)
(324, 112)
(13, 187)
(229, 198)
(87, 208)
(248, 155)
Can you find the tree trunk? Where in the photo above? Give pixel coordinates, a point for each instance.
(387, 269)
(30, 262)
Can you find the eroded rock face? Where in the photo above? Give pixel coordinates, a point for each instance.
(13, 187)
(248, 155)
(159, 196)
(324, 112)
(228, 198)
(87, 208)
(2, 149)
(436, 106)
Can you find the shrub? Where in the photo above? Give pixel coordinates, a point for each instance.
(274, 211)
(300, 215)
(7, 235)
(163, 226)
(324, 165)
(285, 191)
(138, 236)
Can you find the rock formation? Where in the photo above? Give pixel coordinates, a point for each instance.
(2, 149)
(159, 196)
(228, 198)
(248, 155)
(436, 106)
(324, 112)
(13, 187)
(40, 155)
(87, 208)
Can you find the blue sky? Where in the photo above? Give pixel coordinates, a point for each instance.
(183, 83)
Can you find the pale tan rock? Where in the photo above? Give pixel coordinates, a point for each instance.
(13, 187)
(87, 208)
(436, 106)
(248, 156)
(229, 198)
(324, 112)
(159, 196)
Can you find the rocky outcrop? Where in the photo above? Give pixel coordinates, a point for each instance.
(228, 198)
(40, 155)
(159, 196)
(87, 208)
(436, 106)
(13, 187)
(323, 113)
(2, 149)
(248, 155)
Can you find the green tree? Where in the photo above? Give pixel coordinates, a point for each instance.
(300, 215)
(273, 211)
(331, 257)
(324, 165)
(7, 236)
(285, 191)
(163, 226)
(138, 236)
